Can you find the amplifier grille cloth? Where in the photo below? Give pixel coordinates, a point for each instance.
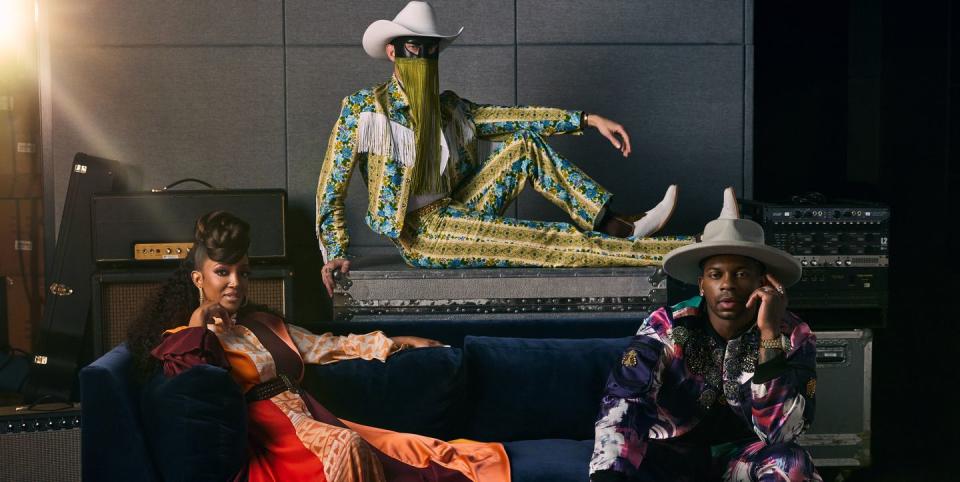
(52, 455)
(122, 302)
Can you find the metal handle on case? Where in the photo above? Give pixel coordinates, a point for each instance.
(342, 280)
(657, 276)
(833, 355)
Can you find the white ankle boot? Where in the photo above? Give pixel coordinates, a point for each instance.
(657, 217)
(731, 210)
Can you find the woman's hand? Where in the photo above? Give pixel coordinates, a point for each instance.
(211, 312)
(401, 342)
(326, 272)
(611, 130)
(773, 307)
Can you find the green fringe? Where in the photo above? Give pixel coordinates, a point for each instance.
(421, 83)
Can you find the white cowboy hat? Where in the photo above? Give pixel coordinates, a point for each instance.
(731, 236)
(415, 20)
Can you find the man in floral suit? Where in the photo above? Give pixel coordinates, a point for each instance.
(438, 201)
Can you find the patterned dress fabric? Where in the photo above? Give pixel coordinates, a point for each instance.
(293, 438)
(681, 388)
(466, 227)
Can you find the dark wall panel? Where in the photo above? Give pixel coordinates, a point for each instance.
(342, 22)
(170, 22)
(630, 21)
(205, 112)
(681, 105)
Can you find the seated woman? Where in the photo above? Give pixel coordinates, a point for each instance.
(203, 316)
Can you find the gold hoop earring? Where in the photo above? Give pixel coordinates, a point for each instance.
(701, 292)
(200, 289)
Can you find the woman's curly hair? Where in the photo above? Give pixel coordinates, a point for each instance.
(219, 236)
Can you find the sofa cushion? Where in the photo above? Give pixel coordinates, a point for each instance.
(195, 424)
(525, 389)
(550, 460)
(418, 390)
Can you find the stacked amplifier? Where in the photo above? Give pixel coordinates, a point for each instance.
(844, 251)
(139, 238)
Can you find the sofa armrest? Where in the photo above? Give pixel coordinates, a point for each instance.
(112, 440)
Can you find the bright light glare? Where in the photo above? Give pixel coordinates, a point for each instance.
(14, 18)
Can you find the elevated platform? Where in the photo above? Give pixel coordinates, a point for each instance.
(382, 287)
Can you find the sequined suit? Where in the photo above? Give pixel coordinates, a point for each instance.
(466, 227)
(681, 389)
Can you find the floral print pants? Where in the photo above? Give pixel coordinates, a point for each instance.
(468, 229)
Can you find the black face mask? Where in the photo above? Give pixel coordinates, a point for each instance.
(416, 47)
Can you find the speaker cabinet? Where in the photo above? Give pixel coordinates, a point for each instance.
(40, 444)
(120, 295)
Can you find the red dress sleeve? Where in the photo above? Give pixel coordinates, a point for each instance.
(184, 348)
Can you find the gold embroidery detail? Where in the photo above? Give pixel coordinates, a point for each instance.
(629, 359)
(811, 387)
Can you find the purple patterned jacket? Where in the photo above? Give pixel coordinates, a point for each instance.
(677, 368)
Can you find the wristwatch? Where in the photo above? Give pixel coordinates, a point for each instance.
(780, 343)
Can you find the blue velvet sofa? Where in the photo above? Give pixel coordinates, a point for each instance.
(537, 396)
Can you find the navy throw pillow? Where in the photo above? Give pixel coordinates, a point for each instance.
(417, 390)
(525, 389)
(195, 424)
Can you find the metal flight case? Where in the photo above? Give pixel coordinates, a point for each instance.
(382, 287)
(840, 434)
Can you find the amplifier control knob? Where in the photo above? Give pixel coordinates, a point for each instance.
(179, 250)
(838, 262)
(813, 263)
(803, 262)
(169, 251)
(848, 262)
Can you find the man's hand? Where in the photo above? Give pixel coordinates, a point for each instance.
(402, 342)
(611, 130)
(211, 312)
(339, 264)
(773, 306)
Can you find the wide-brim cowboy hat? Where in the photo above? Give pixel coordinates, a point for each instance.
(415, 20)
(731, 236)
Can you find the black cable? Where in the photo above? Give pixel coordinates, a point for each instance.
(811, 197)
(188, 179)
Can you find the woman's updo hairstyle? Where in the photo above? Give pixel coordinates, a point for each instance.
(220, 236)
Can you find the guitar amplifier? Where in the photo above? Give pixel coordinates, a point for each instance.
(147, 228)
(119, 296)
(40, 444)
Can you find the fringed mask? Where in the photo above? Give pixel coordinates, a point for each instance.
(417, 69)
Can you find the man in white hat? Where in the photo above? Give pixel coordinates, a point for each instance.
(442, 205)
(730, 370)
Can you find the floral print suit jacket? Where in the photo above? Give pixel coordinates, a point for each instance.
(374, 131)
